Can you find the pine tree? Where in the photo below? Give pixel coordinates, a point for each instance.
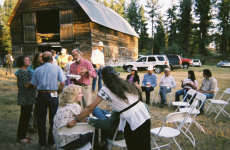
(173, 24)
(224, 27)
(185, 25)
(159, 38)
(202, 10)
(132, 15)
(143, 29)
(152, 7)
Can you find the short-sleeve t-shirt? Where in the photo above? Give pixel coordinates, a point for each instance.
(135, 116)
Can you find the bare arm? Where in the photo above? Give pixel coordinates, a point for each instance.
(89, 109)
(61, 86)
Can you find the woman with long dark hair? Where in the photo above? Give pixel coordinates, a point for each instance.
(133, 77)
(26, 97)
(124, 98)
(37, 61)
(187, 84)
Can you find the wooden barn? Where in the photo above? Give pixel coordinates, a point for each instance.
(38, 25)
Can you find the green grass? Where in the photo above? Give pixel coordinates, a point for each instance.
(217, 136)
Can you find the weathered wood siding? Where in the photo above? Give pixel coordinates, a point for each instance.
(76, 30)
(37, 5)
(118, 46)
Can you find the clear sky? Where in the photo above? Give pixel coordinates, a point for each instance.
(1, 2)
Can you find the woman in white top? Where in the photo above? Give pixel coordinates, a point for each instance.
(135, 121)
(187, 84)
(67, 110)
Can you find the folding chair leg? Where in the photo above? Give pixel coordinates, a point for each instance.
(209, 106)
(190, 138)
(157, 146)
(178, 145)
(223, 112)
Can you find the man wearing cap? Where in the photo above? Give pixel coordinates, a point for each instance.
(149, 83)
(63, 58)
(98, 60)
(45, 79)
(85, 69)
(166, 84)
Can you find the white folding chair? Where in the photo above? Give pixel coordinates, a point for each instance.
(218, 105)
(117, 143)
(208, 102)
(166, 132)
(194, 108)
(191, 93)
(183, 122)
(80, 128)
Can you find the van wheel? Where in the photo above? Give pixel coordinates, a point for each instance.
(157, 70)
(129, 68)
(185, 66)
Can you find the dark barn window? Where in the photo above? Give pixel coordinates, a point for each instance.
(48, 26)
(48, 21)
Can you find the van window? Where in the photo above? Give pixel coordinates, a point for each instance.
(142, 59)
(151, 59)
(161, 58)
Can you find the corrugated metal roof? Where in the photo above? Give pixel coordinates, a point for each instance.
(105, 16)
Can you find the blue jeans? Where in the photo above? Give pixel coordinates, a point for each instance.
(100, 113)
(99, 76)
(163, 92)
(208, 96)
(179, 93)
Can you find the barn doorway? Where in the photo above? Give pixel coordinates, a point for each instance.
(48, 26)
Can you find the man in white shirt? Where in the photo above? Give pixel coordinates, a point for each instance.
(166, 84)
(98, 61)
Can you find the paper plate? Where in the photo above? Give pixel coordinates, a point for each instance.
(74, 76)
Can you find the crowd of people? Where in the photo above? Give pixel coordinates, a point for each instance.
(46, 85)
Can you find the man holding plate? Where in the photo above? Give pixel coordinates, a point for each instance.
(85, 69)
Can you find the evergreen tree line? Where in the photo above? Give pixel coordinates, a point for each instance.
(188, 27)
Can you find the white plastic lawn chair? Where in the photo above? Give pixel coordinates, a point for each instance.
(191, 93)
(117, 143)
(218, 105)
(166, 132)
(80, 128)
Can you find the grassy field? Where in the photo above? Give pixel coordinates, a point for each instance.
(217, 136)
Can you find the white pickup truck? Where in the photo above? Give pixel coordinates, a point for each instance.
(159, 62)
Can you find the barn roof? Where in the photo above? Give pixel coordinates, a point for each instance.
(105, 16)
(99, 14)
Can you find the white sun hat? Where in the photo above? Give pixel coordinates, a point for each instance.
(167, 69)
(100, 44)
(134, 68)
(150, 68)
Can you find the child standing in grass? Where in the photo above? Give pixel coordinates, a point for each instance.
(26, 98)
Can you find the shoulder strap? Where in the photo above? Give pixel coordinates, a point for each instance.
(127, 108)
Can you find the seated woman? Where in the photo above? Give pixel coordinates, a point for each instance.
(187, 84)
(124, 99)
(133, 77)
(68, 108)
